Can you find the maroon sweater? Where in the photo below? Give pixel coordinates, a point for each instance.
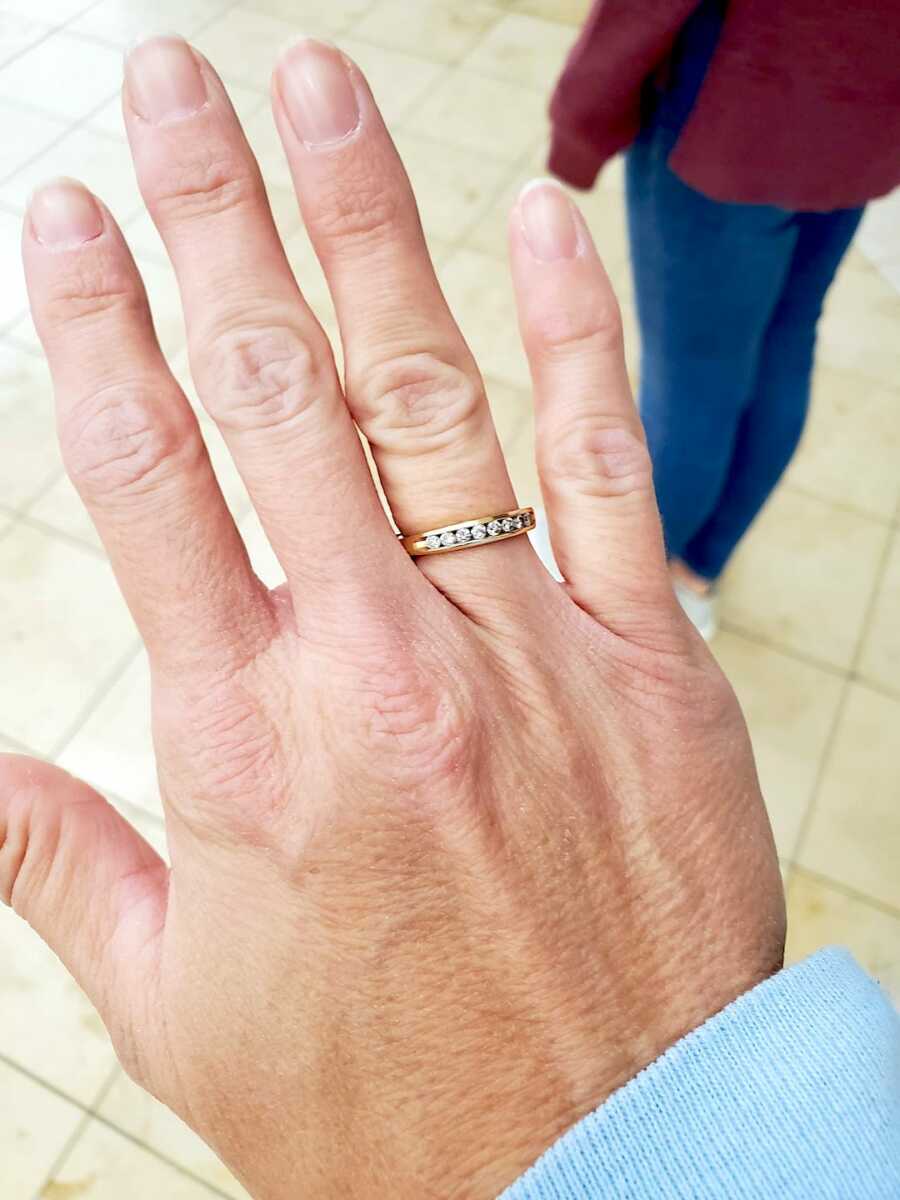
(800, 106)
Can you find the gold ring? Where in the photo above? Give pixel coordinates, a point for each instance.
(476, 531)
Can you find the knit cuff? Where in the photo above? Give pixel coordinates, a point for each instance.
(792, 1091)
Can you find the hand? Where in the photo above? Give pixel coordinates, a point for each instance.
(455, 850)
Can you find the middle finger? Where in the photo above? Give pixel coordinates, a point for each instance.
(262, 363)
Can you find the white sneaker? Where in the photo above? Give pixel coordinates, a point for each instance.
(701, 609)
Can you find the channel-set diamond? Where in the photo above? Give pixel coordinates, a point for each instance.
(478, 532)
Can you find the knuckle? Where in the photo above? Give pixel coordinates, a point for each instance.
(355, 208)
(600, 458)
(424, 394)
(567, 329)
(206, 185)
(264, 377)
(120, 439)
(415, 723)
(234, 750)
(672, 680)
(93, 287)
(231, 753)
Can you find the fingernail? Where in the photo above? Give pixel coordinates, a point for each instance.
(548, 221)
(64, 214)
(318, 93)
(163, 80)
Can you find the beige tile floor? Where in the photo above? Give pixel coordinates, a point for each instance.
(812, 603)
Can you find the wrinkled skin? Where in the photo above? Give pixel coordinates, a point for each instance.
(455, 849)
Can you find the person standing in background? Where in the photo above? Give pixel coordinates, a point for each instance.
(757, 130)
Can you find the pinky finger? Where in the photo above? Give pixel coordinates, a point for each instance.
(592, 457)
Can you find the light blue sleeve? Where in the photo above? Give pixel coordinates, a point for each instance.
(790, 1093)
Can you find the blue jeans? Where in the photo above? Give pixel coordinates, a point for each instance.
(728, 297)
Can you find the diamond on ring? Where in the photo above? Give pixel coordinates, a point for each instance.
(474, 531)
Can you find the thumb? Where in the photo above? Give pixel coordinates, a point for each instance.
(88, 883)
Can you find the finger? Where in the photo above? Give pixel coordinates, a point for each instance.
(261, 362)
(410, 380)
(593, 463)
(130, 440)
(88, 883)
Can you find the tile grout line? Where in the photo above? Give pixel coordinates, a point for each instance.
(83, 121)
(19, 518)
(96, 699)
(448, 67)
(16, 342)
(44, 1083)
(76, 126)
(421, 97)
(40, 492)
(57, 1163)
(821, 771)
(851, 675)
(849, 683)
(98, 39)
(349, 31)
(158, 1154)
(95, 1114)
(77, 543)
(496, 196)
(104, 1089)
(842, 505)
(89, 1114)
(52, 28)
(850, 893)
(126, 808)
(866, 622)
(880, 689)
(81, 1126)
(760, 639)
(424, 136)
(19, 747)
(60, 27)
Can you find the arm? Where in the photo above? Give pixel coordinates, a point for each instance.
(596, 105)
(808, 1062)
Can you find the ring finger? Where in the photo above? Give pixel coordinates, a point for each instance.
(411, 382)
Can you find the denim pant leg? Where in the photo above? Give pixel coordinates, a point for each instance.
(708, 277)
(773, 420)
